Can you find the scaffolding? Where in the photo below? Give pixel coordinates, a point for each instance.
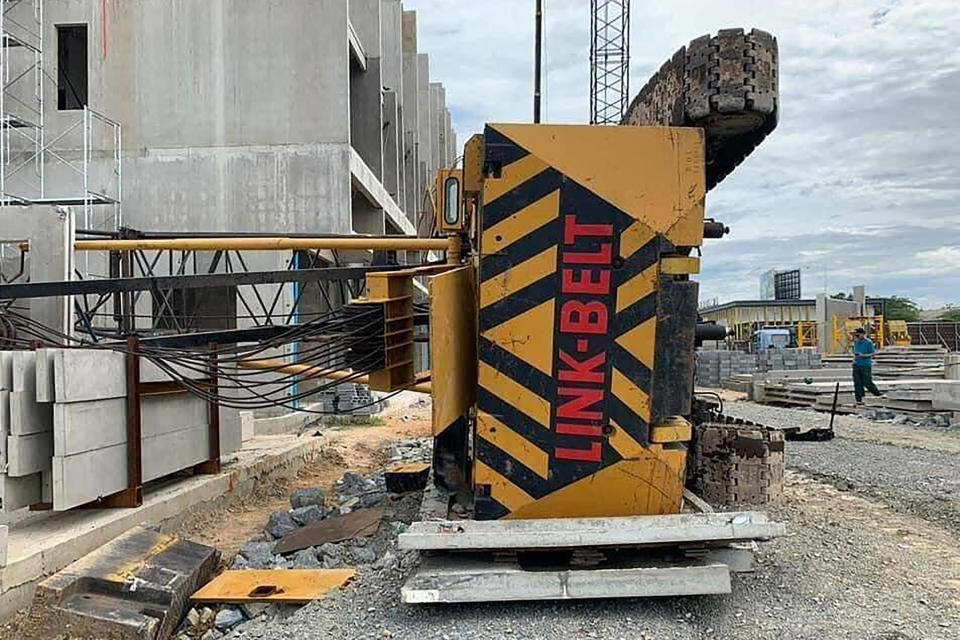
(609, 60)
(76, 166)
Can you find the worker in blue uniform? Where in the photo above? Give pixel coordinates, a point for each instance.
(863, 352)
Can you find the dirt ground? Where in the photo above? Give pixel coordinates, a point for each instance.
(357, 448)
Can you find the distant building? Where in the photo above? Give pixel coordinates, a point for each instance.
(780, 284)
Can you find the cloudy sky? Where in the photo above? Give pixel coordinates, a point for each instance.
(860, 183)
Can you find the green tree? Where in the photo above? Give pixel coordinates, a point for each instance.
(950, 316)
(901, 309)
(842, 296)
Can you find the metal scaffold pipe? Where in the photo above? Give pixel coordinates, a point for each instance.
(273, 244)
(276, 366)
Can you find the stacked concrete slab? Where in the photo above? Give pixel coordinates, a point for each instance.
(788, 359)
(65, 429)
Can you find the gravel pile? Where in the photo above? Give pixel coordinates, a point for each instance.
(353, 491)
(924, 482)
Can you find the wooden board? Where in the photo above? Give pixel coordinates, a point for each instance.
(274, 585)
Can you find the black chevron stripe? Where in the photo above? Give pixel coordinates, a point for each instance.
(520, 301)
(512, 469)
(536, 242)
(521, 195)
(641, 310)
(633, 424)
(517, 369)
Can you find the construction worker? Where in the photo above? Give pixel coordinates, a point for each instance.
(863, 351)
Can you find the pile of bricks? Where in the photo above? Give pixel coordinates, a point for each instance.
(788, 359)
(738, 465)
(713, 367)
(349, 397)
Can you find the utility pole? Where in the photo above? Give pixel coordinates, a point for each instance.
(537, 62)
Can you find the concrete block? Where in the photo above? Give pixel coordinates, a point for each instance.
(27, 455)
(4, 536)
(44, 375)
(946, 396)
(72, 377)
(4, 425)
(136, 586)
(18, 493)
(247, 429)
(85, 477)
(6, 370)
(27, 416)
(25, 371)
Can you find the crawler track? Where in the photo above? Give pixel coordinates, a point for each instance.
(727, 84)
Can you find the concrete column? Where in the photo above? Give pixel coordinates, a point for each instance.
(436, 126)
(425, 143)
(391, 70)
(52, 260)
(411, 116)
(367, 218)
(366, 117)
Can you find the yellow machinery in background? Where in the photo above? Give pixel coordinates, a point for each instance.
(897, 334)
(843, 328)
(807, 333)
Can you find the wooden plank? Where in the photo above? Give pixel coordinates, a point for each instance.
(30, 454)
(449, 579)
(291, 586)
(589, 532)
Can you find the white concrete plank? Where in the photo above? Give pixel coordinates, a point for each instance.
(30, 454)
(27, 416)
(4, 425)
(44, 373)
(6, 370)
(17, 493)
(447, 579)
(83, 478)
(4, 538)
(25, 372)
(86, 426)
(73, 379)
(579, 532)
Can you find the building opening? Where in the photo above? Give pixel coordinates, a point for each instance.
(72, 67)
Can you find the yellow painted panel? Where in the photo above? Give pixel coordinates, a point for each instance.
(622, 489)
(637, 287)
(673, 430)
(680, 265)
(624, 444)
(634, 238)
(641, 341)
(501, 489)
(514, 393)
(512, 280)
(282, 585)
(529, 336)
(521, 223)
(453, 345)
(630, 394)
(513, 444)
(512, 176)
(654, 174)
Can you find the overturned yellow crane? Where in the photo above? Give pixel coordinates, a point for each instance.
(562, 348)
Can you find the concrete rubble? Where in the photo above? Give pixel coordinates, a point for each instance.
(376, 552)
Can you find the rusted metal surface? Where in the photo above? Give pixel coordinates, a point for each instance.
(357, 524)
(291, 586)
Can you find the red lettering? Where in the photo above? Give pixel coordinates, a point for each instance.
(585, 371)
(588, 430)
(580, 455)
(600, 257)
(580, 317)
(576, 409)
(572, 230)
(585, 282)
